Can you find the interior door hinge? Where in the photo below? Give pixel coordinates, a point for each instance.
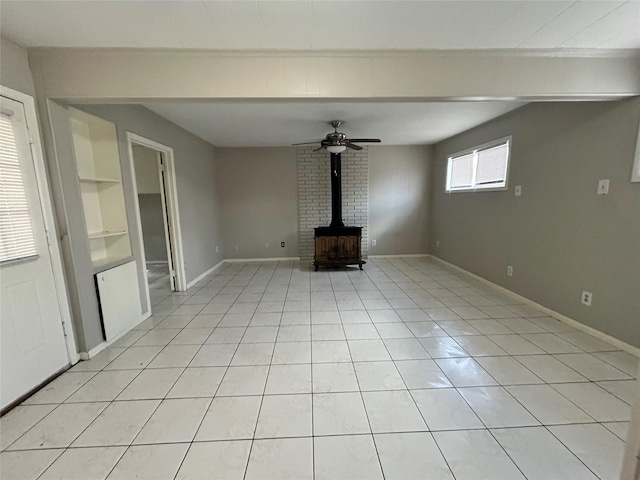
(46, 231)
(64, 329)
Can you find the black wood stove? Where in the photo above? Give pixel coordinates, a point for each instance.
(337, 244)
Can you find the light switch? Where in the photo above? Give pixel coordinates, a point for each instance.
(518, 190)
(603, 187)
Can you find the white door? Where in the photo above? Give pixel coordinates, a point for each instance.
(165, 219)
(32, 344)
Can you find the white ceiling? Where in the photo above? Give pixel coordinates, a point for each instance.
(324, 24)
(279, 124)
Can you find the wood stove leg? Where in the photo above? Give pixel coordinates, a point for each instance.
(316, 266)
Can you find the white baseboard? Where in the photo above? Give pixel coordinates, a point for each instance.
(201, 276)
(236, 260)
(409, 255)
(269, 259)
(101, 346)
(94, 351)
(552, 313)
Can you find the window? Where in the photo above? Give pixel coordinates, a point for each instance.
(482, 168)
(16, 232)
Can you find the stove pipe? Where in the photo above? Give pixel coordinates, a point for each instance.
(336, 191)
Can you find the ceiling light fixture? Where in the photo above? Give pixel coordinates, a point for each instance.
(335, 148)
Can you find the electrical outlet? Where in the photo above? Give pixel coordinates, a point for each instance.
(373, 242)
(438, 243)
(510, 270)
(586, 298)
(603, 187)
(282, 244)
(266, 245)
(236, 248)
(217, 249)
(518, 190)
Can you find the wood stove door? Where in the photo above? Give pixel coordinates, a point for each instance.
(343, 250)
(332, 248)
(348, 248)
(354, 247)
(326, 249)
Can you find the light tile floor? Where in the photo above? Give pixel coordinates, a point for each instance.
(269, 370)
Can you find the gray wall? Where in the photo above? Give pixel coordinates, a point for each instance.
(200, 217)
(14, 67)
(399, 199)
(259, 199)
(145, 161)
(559, 236)
(155, 247)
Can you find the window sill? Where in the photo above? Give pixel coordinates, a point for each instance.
(475, 190)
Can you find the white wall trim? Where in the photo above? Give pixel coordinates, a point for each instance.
(48, 217)
(358, 53)
(409, 255)
(269, 259)
(172, 205)
(201, 276)
(552, 313)
(635, 172)
(157, 262)
(101, 346)
(237, 260)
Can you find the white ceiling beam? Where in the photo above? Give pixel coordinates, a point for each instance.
(139, 75)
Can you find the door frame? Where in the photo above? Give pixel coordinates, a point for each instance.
(163, 179)
(46, 205)
(171, 199)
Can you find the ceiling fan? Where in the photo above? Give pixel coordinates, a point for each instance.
(336, 142)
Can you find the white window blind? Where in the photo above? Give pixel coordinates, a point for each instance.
(492, 165)
(484, 167)
(16, 231)
(461, 172)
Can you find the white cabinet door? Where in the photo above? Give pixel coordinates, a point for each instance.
(33, 346)
(119, 299)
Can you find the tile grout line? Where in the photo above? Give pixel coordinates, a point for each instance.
(364, 406)
(416, 404)
(266, 380)
(489, 430)
(160, 403)
(411, 276)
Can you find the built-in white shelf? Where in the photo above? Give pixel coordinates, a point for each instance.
(96, 235)
(99, 180)
(105, 263)
(95, 143)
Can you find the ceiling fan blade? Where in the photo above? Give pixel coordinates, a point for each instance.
(353, 146)
(365, 140)
(319, 148)
(305, 143)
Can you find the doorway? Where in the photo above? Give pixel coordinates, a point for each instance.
(157, 217)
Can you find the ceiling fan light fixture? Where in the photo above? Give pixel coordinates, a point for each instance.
(336, 148)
